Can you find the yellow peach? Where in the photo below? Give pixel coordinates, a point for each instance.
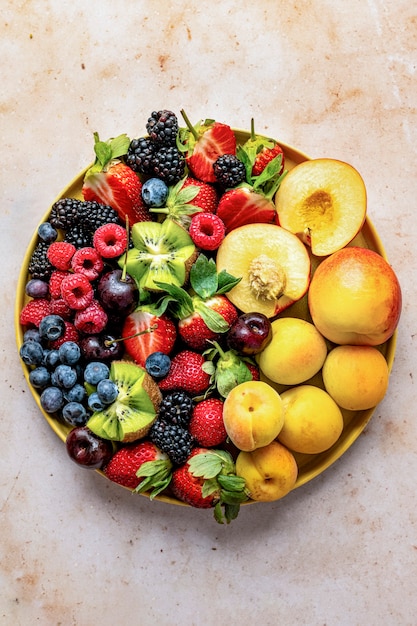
(355, 297)
(269, 472)
(296, 352)
(252, 415)
(356, 376)
(313, 422)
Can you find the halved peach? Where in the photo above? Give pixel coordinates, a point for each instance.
(273, 263)
(323, 202)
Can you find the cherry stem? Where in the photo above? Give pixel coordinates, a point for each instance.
(110, 342)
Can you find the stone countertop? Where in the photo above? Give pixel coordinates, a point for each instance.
(334, 79)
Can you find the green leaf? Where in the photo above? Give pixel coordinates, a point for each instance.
(212, 319)
(231, 482)
(203, 277)
(226, 282)
(119, 146)
(103, 153)
(183, 303)
(157, 476)
(233, 497)
(209, 487)
(231, 511)
(205, 465)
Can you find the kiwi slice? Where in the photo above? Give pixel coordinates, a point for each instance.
(162, 252)
(133, 412)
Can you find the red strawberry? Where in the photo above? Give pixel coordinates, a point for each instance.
(158, 334)
(254, 370)
(34, 311)
(265, 156)
(203, 144)
(186, 373)
(194, 330)
(257, 153)
(208, 479)
(206, 424)
(110, 181)
(188, 197)
(126, 462)
(189, 488)
(207, 314)
(244, 205)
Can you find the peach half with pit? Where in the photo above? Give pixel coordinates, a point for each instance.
(322, 201)
(355, 297)
(273, 264)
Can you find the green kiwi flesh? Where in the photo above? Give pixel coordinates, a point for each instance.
(133, 412)
(162, 252)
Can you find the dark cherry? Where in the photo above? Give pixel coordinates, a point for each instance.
(250, 333)
(117, 293)
(101, 347)
(88, 450)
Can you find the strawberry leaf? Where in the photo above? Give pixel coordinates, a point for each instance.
(203, 277)
(212, 319)
(206, 465)
(119, 146)
(157, 476)
(226, 282)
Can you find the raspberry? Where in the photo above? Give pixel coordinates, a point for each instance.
(55, 281)
(34, 311)
(110, 240)
(87, 261)
(61, 308)
(77, 291)
(91, 320)
(207, 231)
(70, 334)
(60, 254)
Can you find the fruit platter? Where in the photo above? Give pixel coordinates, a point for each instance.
(206, 316)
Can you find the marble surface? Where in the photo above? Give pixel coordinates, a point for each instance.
(332, 78)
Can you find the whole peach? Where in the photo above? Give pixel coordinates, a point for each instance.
(355, 297)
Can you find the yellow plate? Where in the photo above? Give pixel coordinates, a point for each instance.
(310, 466)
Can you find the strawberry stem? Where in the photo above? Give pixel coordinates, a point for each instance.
(189, 125)
(252, 129)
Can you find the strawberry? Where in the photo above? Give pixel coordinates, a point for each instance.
(243, 205)
(265, 156)
(208, 480)
(228, 369)
(145, 456)
(204, 316)
(203, 144)
(188, 197)
(254, 370)
(144, 333)
(258, 152)
(206, 423)
(186, 373)
(110, 181)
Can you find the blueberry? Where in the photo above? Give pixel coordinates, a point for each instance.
(51, 358)
(65, 376)
(95, 371)
(31, 353)
(37, 288)
(77, 393)
(94, 402)
(75, 414)
(47, 232)
(107, 391)
(51, 327)
(157, 364)
(51, 399)
(32, 334)
(69, 352)
(154, 192)
(40, 377)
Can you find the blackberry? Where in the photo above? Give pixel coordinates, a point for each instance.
(162, 127)
(229, 170)
(176, 408)
(93, 215)
(139, 155)
(39, 264)
(172, 439)
(80, 236)
(168, 164)
(65, 213)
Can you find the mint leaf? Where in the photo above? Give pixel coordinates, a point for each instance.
(203, 277)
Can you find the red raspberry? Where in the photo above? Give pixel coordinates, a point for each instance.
(206, 424)
(91, 320)
(34, 311)
(70, 334)
(77, 291)
(60, 254)
(110, 240)
(55, 281)
(61, 308)
(87, 261)
(207, 231)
